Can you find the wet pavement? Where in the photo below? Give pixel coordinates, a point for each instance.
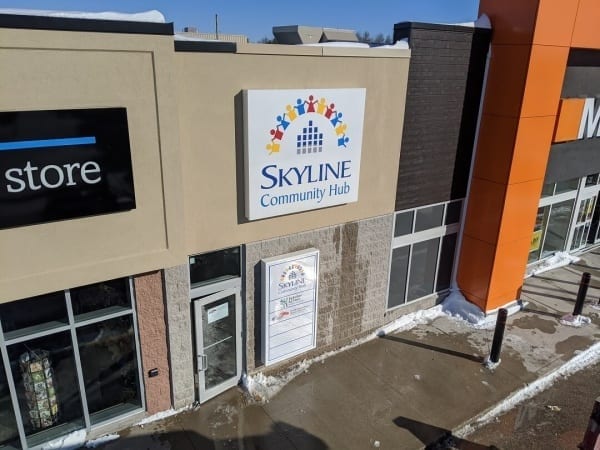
(402, 391)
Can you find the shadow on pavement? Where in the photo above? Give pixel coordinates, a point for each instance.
(545, 294)
(281, 437)
(542, 313)
(436, 438)
(556, 280)
(477, 359)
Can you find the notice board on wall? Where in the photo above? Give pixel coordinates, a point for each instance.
(290, 299)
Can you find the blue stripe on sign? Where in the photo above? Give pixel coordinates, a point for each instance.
(41, 143)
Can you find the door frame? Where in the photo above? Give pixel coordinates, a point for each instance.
(203, 393)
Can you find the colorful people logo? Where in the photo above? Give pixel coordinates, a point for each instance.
(310, 139)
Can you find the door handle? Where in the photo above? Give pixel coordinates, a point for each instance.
(202, 362)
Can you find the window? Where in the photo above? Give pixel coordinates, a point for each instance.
(215, 266)
(423, 251)
(73, 362)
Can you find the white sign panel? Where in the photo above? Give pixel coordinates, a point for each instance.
(290, 292)
(302, 149)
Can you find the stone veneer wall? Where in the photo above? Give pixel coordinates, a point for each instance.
(353, 282)
(153, 340)
(177, 292)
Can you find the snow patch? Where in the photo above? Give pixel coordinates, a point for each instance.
(70, 441)
(338, 44)
(101, 440)
(402, 44)
(146, 16)
(575, 321)
(582, 360)
(181, 37)
(457, 306)
(163, 415)
(482, 22)
(559, 259)
(264, 387)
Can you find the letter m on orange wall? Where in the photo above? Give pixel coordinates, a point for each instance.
(578, 118)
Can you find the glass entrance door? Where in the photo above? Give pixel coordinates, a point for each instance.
(583, 222)
(218, 342)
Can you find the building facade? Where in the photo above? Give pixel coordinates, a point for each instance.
(175, 214)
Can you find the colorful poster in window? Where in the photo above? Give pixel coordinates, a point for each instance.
(536, 239)
(290, 298)
(302, 149)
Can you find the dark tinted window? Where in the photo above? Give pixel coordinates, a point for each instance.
(429, 217)
(398, 276)
(48, 309)
(218, 265)
(403, 223)
(99, 296)
(453, 212)
(446, 262)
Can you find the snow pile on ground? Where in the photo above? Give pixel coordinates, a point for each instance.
(582, 360)
(71, 441)
(163, 415)
(147, 16)
(101, 440)
(457, 306)
(262, 388)
(559, 259)
(575, 321)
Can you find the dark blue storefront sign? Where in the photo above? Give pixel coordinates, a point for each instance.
(63, 164)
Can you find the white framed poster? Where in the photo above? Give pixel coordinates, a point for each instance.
(302, 149)
(290, 304)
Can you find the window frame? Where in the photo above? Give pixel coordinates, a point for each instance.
(417, 237)
(19, 336)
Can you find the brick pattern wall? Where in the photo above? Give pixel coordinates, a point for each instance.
(353, 280)
(444, 88)
(153, 339)
(177, 292)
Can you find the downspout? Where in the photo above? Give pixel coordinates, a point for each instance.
(454, 284)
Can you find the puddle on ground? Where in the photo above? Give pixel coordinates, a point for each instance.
(566, 347)
(535, 323)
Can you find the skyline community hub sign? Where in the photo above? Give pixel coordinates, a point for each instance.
(290, 304)
(302, 149)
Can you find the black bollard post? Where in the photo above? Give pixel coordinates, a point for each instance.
(583, 288)
(498, 335)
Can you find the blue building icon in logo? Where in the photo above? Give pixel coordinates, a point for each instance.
(310, 140)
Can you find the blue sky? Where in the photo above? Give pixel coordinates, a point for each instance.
(256, 18)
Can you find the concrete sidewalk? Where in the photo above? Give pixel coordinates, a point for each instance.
(403, 391)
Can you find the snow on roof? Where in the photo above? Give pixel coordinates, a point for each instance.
(147, 16)
(181, 37)
(482, 22)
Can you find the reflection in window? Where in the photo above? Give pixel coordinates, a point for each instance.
(566, 186)
(398, 276)
(95, 297)
(429, 217)
(9, 435)
(557, 228)
(422, 269)
(220, 265)
(404, 222)
(109, 365)
(46, 310)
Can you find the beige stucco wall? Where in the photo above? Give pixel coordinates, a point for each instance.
(185, 124)
(61, 70)
(211, 123)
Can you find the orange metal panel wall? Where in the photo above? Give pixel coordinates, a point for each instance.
(530, 47)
